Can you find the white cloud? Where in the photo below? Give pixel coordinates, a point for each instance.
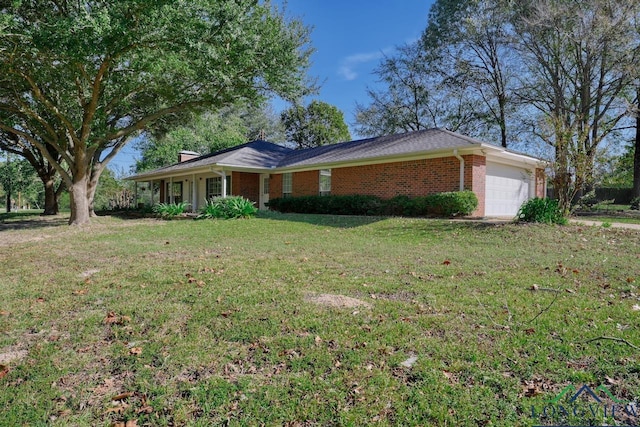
(348, 66)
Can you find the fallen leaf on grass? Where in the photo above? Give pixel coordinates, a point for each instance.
(531, 389)
(122, 396)
(130, 423)
(80, 292)
(636, 307)
(147, 409)
(630, 280)
(530, 331)
(446, 262)
(534, 287)
(113, 318)
(40, 300)
(450, 376)
(136, 351)
(409, 362)
(117, 409)
(4, 370)
(611, 381)
(4, 313)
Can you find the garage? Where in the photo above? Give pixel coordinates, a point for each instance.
(507, 187)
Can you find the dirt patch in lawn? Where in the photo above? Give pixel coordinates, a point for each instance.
(339, 301)
(9, 355)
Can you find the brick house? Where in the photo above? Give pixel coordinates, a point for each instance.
(413, 164)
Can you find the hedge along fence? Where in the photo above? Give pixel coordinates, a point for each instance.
(457, 203)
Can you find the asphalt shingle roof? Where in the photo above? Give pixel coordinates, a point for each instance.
(383, 146)
(254, 154)
(266, 155)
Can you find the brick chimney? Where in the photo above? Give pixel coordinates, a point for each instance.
(183, 156)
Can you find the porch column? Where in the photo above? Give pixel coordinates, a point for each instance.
(152, 191)
(224, 183)
(194, 193)
(171, 198)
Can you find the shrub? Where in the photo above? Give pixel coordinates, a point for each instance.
(545, 211)
(169, 210)
(228, 208)
(336, 205)
(443, 204)
(588, 201)
(635, 204)
(452, 203)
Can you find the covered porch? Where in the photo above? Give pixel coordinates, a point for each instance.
(196, 189)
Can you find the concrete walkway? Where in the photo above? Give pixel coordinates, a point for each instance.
(579, 221)
(574, 221)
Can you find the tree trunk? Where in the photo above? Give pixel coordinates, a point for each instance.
(8, 201)
(79, 200)
(636, 158)
(51, 206)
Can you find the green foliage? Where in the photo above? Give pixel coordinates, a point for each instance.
(544, 211)
(317, 124)
(208, 133)
(20, 180)
(231, 207)
(336, 205)
(170, 210)
(113, 193)
(621, 174)
(441, 204)
(96, 74)
(588, 201)
(635, 204)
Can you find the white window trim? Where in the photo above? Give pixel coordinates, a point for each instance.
(325, 184)
(287, 184)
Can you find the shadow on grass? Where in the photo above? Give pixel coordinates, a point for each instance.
(338, 221)
(28, 220)
(418, 224)
(434, 226)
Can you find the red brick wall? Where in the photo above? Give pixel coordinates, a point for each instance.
(305, 183)
(540, 181)
(475, 172)
(302, 183)
(412, 178)
(247, 185)
(275, 186)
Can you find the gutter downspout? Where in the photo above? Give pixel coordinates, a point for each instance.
(457, 156)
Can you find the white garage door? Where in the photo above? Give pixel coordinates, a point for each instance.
(507, 187)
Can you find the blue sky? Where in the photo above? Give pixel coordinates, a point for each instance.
(350, 38)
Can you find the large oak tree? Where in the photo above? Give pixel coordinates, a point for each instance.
(80, 79)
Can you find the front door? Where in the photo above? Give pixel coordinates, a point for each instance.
(264, 191)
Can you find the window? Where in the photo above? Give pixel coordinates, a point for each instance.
(325, 182)
(214, 187)
(287, 184)
(173, 192)
(265, 185)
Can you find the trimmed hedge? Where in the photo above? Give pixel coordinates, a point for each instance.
(441, 204)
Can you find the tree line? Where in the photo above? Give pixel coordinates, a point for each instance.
(559, 74)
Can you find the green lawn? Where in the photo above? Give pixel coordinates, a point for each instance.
(247, 322)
